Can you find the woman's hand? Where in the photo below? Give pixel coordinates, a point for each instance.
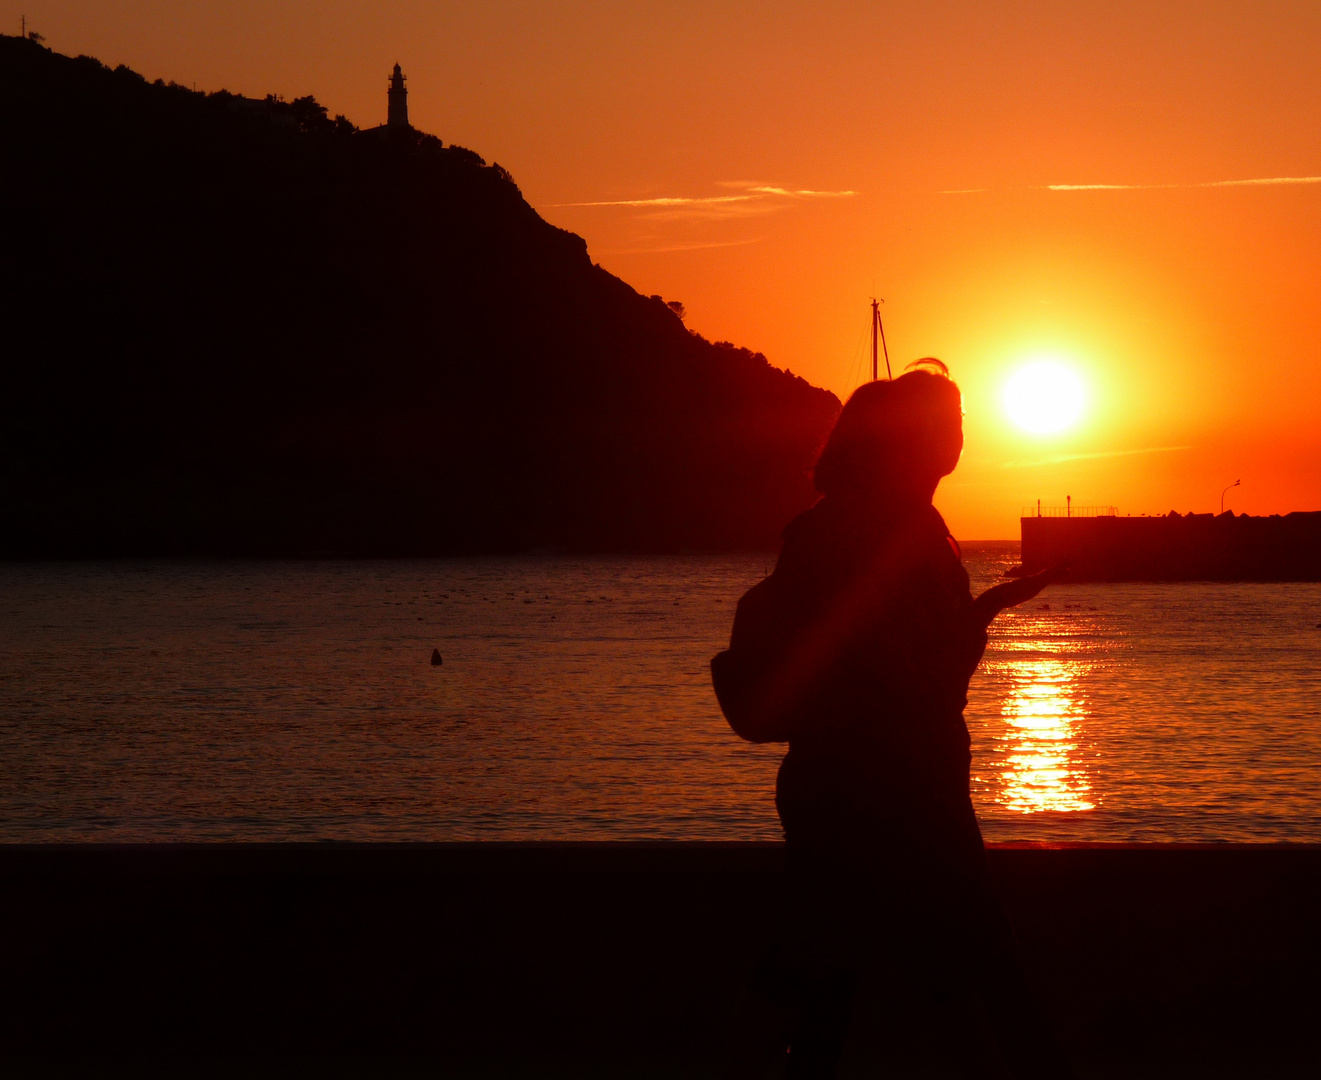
(995, 599)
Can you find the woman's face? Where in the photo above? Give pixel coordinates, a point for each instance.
(914, 476)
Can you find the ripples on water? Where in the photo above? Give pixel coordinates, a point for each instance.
(296, 701)
(1150, 711)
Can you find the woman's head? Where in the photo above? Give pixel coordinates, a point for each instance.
(896, 436)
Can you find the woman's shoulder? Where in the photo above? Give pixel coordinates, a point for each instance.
(817, 533)
(806, 543)
(946, 556)
(809, 523)
(835, 526)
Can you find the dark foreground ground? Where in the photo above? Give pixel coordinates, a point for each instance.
(609, 960)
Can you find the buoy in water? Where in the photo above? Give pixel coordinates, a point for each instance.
(435, 658)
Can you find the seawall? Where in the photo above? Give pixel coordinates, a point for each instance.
(1194, 547)
(610, 959)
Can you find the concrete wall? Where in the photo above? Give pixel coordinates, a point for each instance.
(1196, 547)
(611, 960)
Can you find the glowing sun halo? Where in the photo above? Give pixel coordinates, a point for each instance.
(1044, 397)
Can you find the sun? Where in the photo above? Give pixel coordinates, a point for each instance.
(1044, 397)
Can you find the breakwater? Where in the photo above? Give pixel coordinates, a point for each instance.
(1191, 547)
(610, 959)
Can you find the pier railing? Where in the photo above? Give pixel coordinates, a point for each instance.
(1070, 511)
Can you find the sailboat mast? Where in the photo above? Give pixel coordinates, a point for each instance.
(878, 331)
(875, 318)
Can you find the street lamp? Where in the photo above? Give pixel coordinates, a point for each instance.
(1223, 493)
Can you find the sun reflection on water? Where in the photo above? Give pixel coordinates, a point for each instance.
(1041, 711)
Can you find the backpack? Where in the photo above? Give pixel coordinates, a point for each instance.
(746, 675)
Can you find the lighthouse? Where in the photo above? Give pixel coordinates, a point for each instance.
(398, 98)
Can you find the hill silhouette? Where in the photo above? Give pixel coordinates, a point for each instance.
(243, 327)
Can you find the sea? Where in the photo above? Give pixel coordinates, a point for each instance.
(298, 700)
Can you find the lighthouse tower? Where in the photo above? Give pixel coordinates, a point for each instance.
(398, 97)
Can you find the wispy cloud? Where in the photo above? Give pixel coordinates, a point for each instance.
(1263, 181)
(748, 197)
(665, 200)
(1059, 459)
(1266, 181)
(796, 193)
(695, 246)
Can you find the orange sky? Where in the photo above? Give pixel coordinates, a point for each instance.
(1193, 313)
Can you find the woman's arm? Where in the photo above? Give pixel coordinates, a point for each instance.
(995, 599)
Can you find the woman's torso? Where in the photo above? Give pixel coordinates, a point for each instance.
(882, 739)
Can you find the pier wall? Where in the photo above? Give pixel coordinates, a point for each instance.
(610, 959)
(1194, 547)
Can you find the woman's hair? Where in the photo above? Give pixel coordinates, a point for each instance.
(912, 424)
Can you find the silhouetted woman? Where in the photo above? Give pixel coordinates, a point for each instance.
(858, 650)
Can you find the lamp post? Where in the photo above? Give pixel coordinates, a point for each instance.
(1225, 492)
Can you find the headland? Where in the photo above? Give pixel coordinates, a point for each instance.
(239, 326)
